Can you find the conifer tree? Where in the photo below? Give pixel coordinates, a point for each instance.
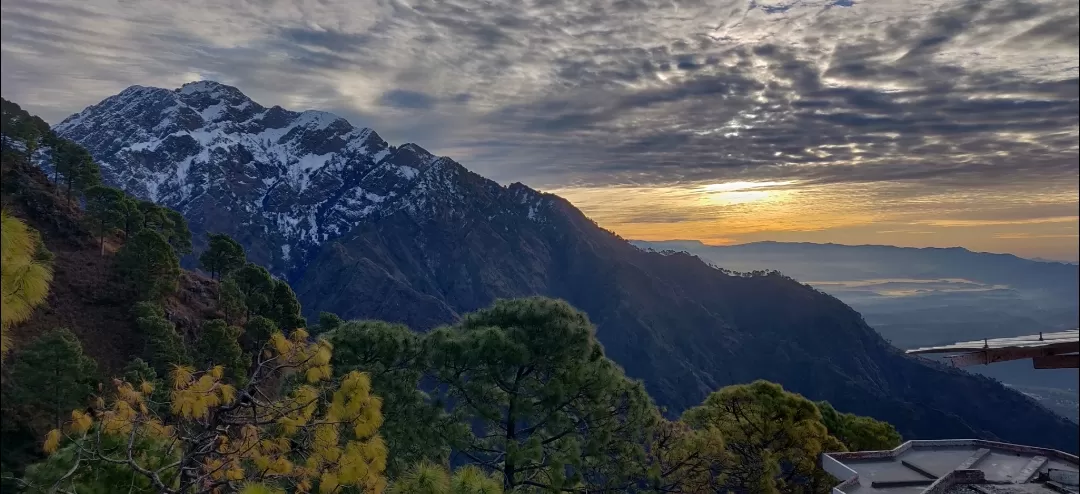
(553, 413)
(231, 301)
(856, 432)
(223, 255)
(104, 206)
(258, 330)
(25, 274)
(52, 375)
(417, 429)
(258, 287)
(163, 346)
(320, 435)
(179, 235)
(285, 308)
(149, 266)
(775, 437)
(328, 321)
(219, 344)
(429, 478)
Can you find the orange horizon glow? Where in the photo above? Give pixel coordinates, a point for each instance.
(1001, 219)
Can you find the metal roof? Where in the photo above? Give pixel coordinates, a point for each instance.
(954, 466)
(1047, 350)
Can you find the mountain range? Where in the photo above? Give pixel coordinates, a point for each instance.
(369, 230)
(931, 296)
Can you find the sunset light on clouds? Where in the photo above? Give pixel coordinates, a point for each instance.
(912, 123)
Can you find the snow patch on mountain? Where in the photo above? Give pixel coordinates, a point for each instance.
(298, 179)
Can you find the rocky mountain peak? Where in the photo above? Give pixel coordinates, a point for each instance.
(294, 180)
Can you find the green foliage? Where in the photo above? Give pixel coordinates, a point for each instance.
(775, 437)
(258, 330)
(25, 274)
(75, 166)
(231, 301)
(416, 429)
(52, 375)
(149, 266)
(284, 308)
(139, 371)
(222, 256)
(550, 409)
(683, 459)
(169, 223)
(429, 478)
(219, 344)
(257, 286)
(104, 206)
(328, 321)
(164, 348)
(179, 235)
(99, 476)
(18, 125)
(858, 433)
(319, 436)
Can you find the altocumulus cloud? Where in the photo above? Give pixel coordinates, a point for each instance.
(598, 93)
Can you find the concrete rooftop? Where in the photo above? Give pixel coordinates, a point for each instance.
(955, 466)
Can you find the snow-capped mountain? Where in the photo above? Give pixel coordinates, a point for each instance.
(290, 180)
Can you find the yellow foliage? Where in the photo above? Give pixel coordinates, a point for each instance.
(336, 427)
(52, 441)
(80, 422)
(256, 488)
(24, 280)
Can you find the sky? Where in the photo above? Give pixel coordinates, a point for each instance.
(903, 122)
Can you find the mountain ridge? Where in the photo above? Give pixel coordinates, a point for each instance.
(698, 243)
(429, 245)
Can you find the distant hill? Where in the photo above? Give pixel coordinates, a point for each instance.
(927, 296)
(370, 230)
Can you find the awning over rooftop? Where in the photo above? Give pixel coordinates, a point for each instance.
(1046, 350)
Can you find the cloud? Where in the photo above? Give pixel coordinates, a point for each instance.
(400, 98)
(892, 99)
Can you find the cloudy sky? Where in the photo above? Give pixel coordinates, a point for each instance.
(906, 122)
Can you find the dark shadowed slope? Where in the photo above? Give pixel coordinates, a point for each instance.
(368, 230)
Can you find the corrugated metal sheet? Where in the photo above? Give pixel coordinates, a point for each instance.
(1031, 341)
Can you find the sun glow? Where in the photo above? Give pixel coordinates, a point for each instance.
(743, 192)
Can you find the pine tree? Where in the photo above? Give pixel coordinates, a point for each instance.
(52, 375)
(551, 410)
(219, 344)
(319, 435)
(74, 164)
(25, 274)
(429, 478)
(258, 330)
(775, 437)
(133, 217)
(856, 432)
(138, 371)
(222, 256)
(285, 309)
(179, 234)
(258, 287)
(163, 347)
(328, 321)
(416, 429)
(231, 302)
(104, 206)
(149, 266)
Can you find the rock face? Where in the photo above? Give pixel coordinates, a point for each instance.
(367, 230)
